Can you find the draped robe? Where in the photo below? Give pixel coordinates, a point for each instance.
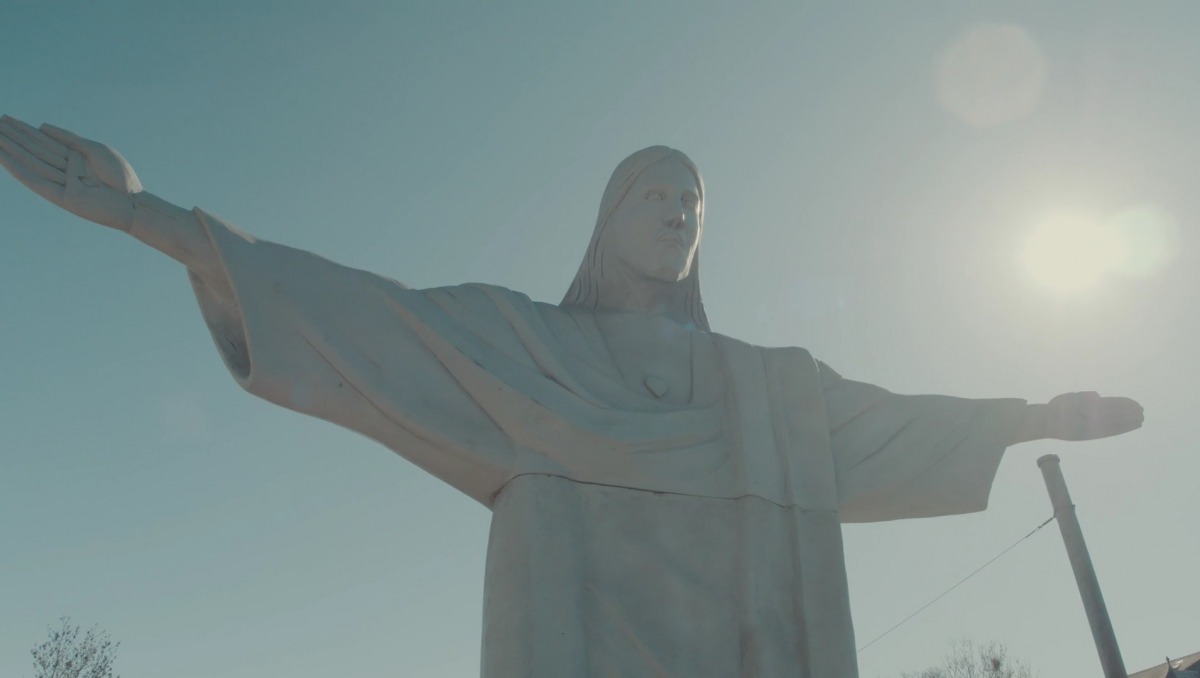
(630, 537)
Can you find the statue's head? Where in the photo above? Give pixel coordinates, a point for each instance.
(647, 234)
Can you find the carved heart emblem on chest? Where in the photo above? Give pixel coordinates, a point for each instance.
(656, 385)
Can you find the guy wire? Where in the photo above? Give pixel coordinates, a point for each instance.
(956, 585)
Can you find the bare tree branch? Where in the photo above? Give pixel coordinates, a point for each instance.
(967, 659)
(66, 655)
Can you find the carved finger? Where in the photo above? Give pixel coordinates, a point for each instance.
(1127, 403)
(20, 154)
(39, 150)
(1122, 410)
(35, 133)
(12, 129)
(1125, 423)
(47, 189)
(1118, 424)
(69, 139)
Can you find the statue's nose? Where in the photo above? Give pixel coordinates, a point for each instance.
(676, 218)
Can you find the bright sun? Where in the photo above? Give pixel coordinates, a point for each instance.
(1071, 253)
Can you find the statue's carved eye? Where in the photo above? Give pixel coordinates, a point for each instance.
(655, 194)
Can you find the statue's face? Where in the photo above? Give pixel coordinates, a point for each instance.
(655, 230)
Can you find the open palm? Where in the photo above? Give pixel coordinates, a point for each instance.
(81, 176)
(1088, 416)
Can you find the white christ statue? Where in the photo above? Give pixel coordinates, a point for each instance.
(666, 500)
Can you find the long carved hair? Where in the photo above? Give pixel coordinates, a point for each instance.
(587, 288)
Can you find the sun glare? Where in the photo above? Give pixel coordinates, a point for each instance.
(1073, 253)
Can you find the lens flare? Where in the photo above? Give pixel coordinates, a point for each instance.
(1149, 236)
(991, 74)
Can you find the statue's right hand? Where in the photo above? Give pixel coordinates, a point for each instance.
(81, 176)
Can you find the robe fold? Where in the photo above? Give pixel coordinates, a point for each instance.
(630, 537)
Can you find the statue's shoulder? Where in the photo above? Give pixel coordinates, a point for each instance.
(474, 294)
(788, 353)
(481, 304)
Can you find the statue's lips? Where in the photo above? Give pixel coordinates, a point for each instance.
(673, 240)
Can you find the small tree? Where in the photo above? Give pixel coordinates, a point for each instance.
(968, 660)
(66, 655)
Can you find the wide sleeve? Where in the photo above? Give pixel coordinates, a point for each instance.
(911, 456)
(362, 351)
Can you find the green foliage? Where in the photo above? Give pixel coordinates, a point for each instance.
(66, 655)
(967, 659)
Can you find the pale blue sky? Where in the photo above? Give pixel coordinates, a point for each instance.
(847, 212)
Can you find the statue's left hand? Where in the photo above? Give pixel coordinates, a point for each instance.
(79, 175)
(1088, 415)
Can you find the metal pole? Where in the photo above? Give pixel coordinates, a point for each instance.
(1081, 564)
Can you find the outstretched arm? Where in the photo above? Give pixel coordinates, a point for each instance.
(907, 456)
(93, 181)
(1079, 416)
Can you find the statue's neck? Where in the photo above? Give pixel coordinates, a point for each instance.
(628, 292)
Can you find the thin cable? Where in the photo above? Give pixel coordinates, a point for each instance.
(959, 583)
